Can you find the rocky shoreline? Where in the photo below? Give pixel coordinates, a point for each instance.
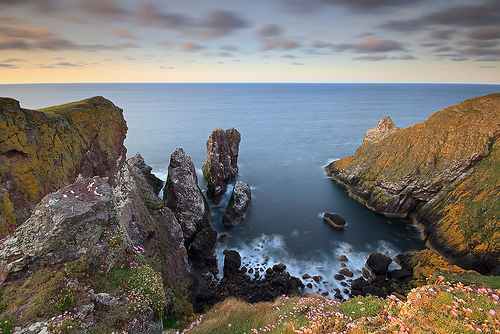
(101, 213)
(443, 173)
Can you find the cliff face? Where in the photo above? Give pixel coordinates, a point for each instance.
(44, 150)
(444, 171)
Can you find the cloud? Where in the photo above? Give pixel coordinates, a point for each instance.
(222, 23)
(191, 47)
(230, 48)
(107, 9)
(35, 39)
(164, 42)
(123, 33)
(384, 57)
(3, 65)
(281, 45)
(486, 33)
(214, 24)
(270, 30)
(307, 6)
(477, 15)
(370, 45)
(321, 45)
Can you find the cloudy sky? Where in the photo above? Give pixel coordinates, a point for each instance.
(250, 41)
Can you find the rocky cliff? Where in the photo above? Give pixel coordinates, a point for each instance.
(445, 172)
(45, 150)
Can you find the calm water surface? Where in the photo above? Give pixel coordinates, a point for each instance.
(289, 133)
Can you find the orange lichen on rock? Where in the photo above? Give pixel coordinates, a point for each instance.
(44, 150)
(445, 172)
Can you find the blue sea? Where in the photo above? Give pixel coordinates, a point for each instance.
(289, 132)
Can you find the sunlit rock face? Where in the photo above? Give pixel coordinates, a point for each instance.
(445, 172)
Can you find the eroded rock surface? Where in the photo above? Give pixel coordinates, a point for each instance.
(64, 226)
(384, 128)
(221, 166)
(238, 205)
(183, 196)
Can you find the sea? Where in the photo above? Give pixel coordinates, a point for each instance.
(289, 133)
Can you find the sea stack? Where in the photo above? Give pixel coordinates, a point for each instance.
(221, 166)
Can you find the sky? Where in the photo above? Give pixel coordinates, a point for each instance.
(435, 41)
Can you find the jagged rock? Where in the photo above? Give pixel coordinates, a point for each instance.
(444, 172)
(140, 167)
(232, 262)
(202, 249)
(221, 166)
(149, 224)
(378, 264)
(183, 196)
(343, 258)
(334, 220)
(238, 205)
(45, 150)
(384, 128)
(64, 226)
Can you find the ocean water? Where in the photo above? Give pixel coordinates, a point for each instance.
(289, 133)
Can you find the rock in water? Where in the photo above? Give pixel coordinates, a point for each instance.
(445, 173)
(384, 128)
(378, 264)
(183, 196)
(221, 166)
(232, 262)
(334, 220)
(238, 205)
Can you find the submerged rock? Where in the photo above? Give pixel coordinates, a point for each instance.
(238, 205)
(334, 220)
(221, 166)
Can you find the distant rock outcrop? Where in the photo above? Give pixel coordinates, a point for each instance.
(221, 166)
(384, 128)
(445, 172)
(238, 205)
(45, 150)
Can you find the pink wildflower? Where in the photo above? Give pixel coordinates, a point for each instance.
(492, 312)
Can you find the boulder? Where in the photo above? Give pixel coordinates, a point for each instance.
(202, 249)
(238, 205)
(334, 220)
(232, 262)
(64, 226)
(221, 166)
(346, 272)
(378, 264)
(183, 196)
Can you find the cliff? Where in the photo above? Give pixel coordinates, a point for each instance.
(45, 150)
(444, 172)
